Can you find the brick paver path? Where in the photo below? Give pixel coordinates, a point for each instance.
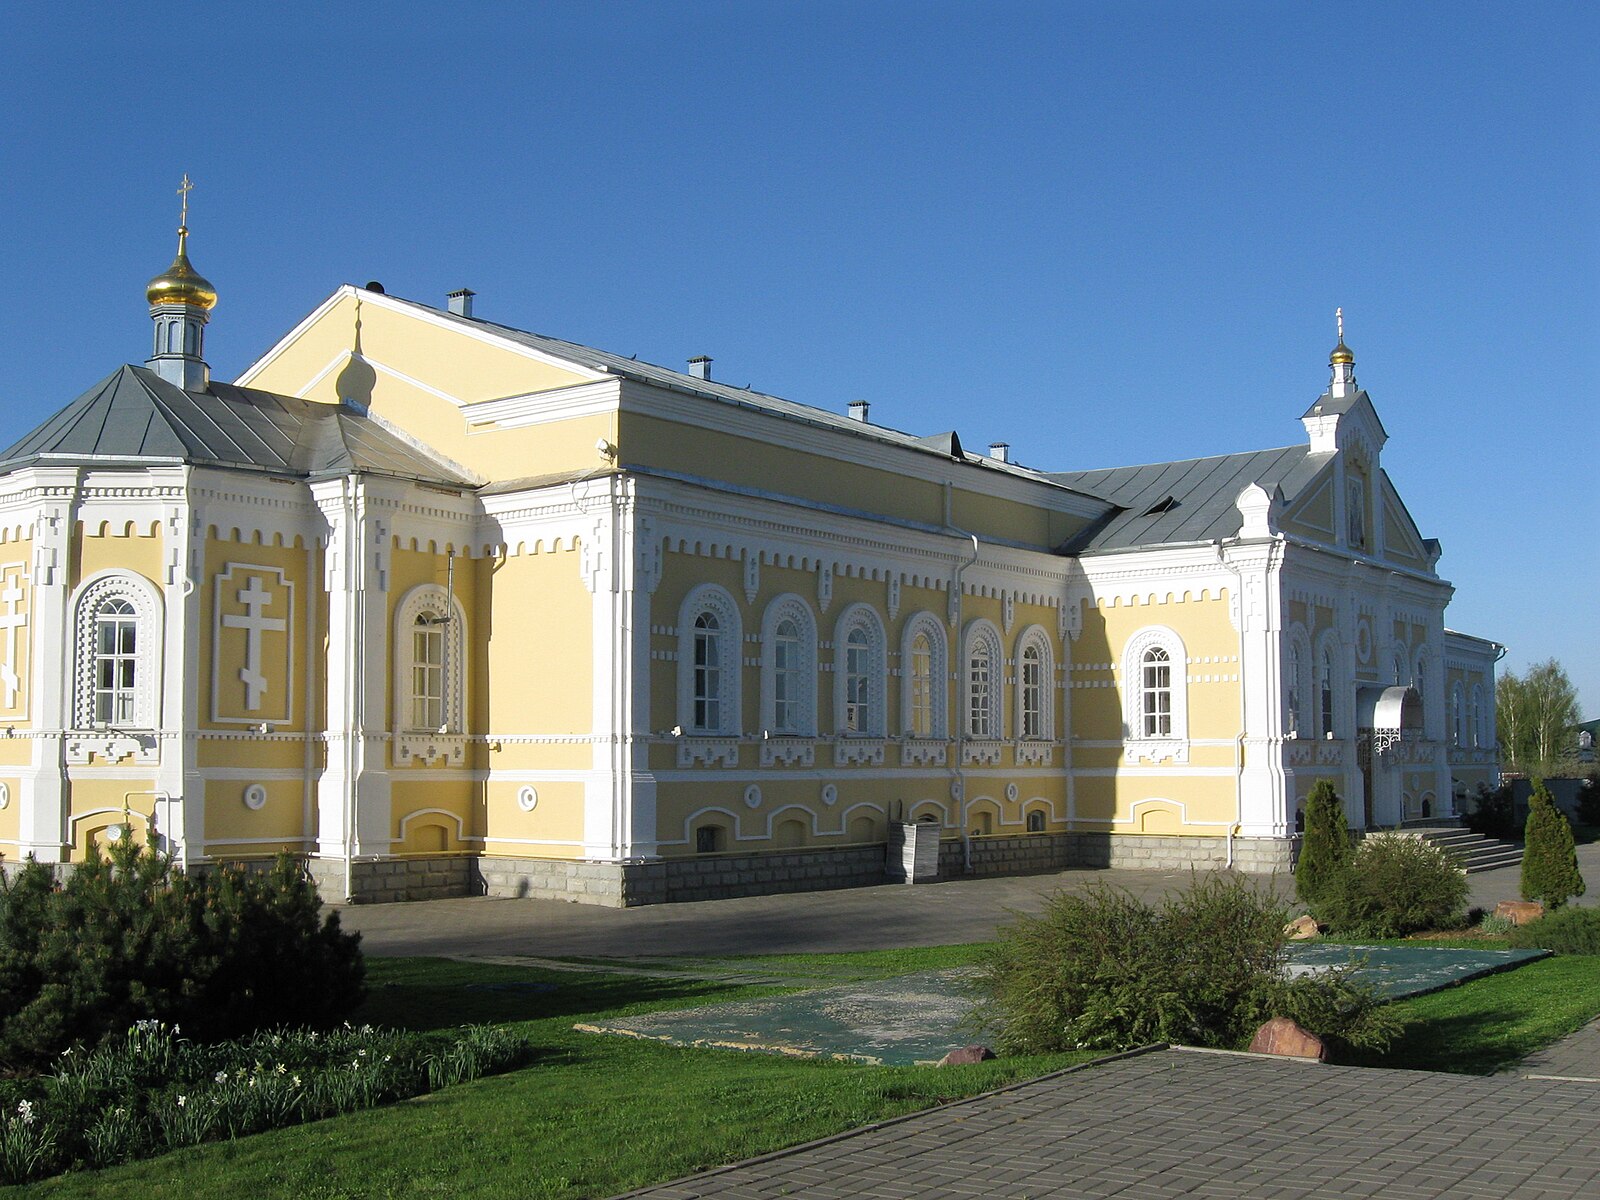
(1576, 1056)
(1188, 1123)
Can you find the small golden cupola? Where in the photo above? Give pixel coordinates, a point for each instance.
(1343, 362)
(181, 300)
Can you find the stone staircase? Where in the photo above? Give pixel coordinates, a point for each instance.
(1474, 851)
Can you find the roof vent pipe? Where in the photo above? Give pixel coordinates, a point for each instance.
(700, 367)
(859, 409)
(1000, 451)
(461, 302)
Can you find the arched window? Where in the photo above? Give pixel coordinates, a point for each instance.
(1036, 821)
(985, 713)
(924, 695)
(789, 668)
(709, 636)
(430, 670)
(858, 673)
(1155, 688)
(1480, 718)
(1327, 690)
(117, 661)
(1458, 715)
(1035, 691)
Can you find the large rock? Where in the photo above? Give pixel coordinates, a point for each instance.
(965, 1055)
(1519, 912)
(1301, 928)
(1283, 1037)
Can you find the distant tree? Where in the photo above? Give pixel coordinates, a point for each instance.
(1325, 853)
(1534, 718)
(1549, 858)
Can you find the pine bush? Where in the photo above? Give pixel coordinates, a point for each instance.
(130, 938)
(1549, 857)
(1566, 931)
(1395, 885)
(1325, 852)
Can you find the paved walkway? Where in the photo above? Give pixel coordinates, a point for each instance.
(1188, 1123)
(876, 918)
(1576, 1056)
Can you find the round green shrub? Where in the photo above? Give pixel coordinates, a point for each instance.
(1565, 931)
(1395, 884)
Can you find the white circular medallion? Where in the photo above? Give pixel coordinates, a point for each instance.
(527, 799)
(1011, 791)
(752, 797)
(5, 795)
(1363, 642)
(830, 795)
(255, 797)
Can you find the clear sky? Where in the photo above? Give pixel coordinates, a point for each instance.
(1106, 233)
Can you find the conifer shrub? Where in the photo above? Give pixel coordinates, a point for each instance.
(1565, 931)
(130, 938)
(1325, 852)
(1103, 970)
(1493, 814)
(1395, 885)
(1549, 856)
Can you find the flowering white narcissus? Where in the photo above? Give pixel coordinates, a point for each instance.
(222, 1077)
(25, 1111)
(183, 1101)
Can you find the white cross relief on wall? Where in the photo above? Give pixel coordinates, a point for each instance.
(259, 590)
(13, 619)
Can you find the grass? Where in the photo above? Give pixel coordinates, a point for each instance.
(594, 1116)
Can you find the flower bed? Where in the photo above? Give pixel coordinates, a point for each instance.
(152, 1090)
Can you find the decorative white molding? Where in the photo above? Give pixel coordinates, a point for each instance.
(1169, 747)
(830, 794)
(850, 751)
(255, 797)
(527, 798)
(1035, 753)
(710, 599)
(824, 586)
(254, 624)
(860, 620)
(982, 752)
(709, 750)
(141, 595)
(923, 752)
(429, 748)
(752, 576)
(925, 624)
(1156, 750)
(894, 596)
(752, 796)
(788, 751)
(802, 673)
(16, 596)
(143, 749)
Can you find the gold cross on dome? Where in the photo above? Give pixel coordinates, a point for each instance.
(1338, 313)
(183, 190)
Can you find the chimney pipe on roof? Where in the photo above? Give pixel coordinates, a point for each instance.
(859, 409)
(700, 367)
(1000, 451)
(461, 302)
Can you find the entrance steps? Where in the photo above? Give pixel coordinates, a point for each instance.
(1472, 850)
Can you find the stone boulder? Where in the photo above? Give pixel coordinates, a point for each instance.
(1283, 1037)
(1519, 912)
(965, 1055)
(1301, 928)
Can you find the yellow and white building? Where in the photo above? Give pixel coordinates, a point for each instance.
(445, 606)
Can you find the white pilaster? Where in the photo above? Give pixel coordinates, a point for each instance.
(180, 787)
(43, 817)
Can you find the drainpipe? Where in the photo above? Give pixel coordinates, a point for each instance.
(957, 770)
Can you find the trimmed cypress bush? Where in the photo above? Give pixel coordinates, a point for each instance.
(1325, 853)
(1549, 857)
(131, 938)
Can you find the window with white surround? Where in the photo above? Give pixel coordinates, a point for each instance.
(1327, 690)
(709, 639)
(1155, 679)
(924, 694)
(1035, 685)
(789, 668)
(117, 658)
(983, 665)
(1296, 683)
(1480, 718)
(1458, 715)
(430, 670)
(859, 671)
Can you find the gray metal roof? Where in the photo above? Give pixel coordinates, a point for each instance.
(134, 415)
(1188, 501)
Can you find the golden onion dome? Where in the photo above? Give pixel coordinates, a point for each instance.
(181, 283)
(1341, 354)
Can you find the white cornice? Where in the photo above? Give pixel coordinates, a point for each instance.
(540, 408)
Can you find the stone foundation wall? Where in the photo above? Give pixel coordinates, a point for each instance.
(384, 881)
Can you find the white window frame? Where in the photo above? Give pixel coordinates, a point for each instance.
(92, 596)
(431, 602)
(926, 625)
(1174, 744)
(1458, 715)
(1036, 639)
(863, 621)
(803, 673)
(1298, 675)
(992, 709)
(709, 598)
(1480, 737)
(1327, 708)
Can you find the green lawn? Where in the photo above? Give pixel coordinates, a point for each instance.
(593, 1116)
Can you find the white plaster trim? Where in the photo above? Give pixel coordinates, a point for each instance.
(1173, 747)
(933, 629)
(790, 607)
(220, 630)
(710, 598)
(861, 617)
(145, 599)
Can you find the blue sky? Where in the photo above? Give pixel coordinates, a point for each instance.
(1105, 233)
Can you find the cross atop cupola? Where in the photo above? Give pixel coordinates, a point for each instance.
(1343, 364)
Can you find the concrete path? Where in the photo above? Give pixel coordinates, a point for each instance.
(877, 918)
(1188, 1123)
